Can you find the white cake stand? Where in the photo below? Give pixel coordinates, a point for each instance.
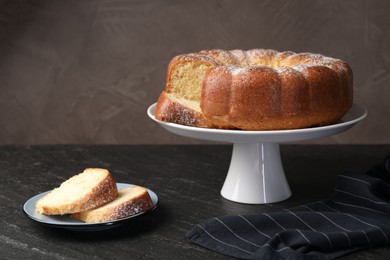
(256, 174)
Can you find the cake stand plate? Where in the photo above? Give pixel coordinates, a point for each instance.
(256, 174)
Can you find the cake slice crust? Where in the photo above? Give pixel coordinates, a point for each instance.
(131, 201)
(172, 108)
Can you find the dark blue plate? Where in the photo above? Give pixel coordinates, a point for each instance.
(66, 222)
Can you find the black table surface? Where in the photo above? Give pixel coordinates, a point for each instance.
(187, 180)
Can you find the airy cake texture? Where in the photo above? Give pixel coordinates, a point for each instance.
(259, 89)
(90, 189)
(130, 201)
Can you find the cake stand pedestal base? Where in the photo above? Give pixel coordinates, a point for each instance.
(256, 174)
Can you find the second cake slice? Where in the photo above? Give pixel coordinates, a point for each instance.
(131, 201)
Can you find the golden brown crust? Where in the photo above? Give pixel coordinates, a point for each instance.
(263, 89)
(264, 56)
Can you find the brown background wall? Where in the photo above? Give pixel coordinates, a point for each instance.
(86, 71)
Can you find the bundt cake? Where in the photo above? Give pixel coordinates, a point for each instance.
(259, 89)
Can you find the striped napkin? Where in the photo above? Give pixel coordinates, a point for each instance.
(357, 216)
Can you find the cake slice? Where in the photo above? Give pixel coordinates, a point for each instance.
(131, 200)
(90, 189)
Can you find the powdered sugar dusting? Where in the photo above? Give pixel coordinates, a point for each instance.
(131, 208)
(287, 71)
(180, 115)
(132, 200)
(235, 70)
(237, 60)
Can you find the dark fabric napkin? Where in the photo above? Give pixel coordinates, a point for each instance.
(357, 216)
